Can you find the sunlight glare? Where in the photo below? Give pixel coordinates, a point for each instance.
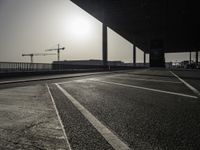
(80, 27)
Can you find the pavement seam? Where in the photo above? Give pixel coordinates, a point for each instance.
(109, 136)
(59, 119)
(193, 89)
(149, 89)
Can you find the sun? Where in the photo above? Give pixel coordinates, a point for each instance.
(80, 27)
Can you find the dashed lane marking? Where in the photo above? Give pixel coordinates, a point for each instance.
(57, 113)
(110, 137)
(194, 90)
(144, 88)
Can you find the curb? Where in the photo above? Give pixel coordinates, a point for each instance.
(61, 77)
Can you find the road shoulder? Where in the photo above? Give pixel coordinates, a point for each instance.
(28, 120)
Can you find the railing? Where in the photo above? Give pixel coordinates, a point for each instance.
(6, 67)
(21, 67)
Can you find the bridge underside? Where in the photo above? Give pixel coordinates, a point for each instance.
(173, 23)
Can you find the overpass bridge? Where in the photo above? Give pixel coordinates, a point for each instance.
(155, 26)
(140, 108)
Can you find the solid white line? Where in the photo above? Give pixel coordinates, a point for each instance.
(59, 119)
(76, 80)
(187, 84)
(65, 82)
(149, 80)
(116, 76)
(110, 137)
(149, 89)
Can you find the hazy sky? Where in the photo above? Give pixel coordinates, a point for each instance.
(31, 26)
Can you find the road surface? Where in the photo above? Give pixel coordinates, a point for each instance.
(138, 109)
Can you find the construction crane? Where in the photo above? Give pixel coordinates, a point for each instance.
(37, 54)
(58, 50)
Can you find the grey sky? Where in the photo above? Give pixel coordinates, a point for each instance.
(31, 26)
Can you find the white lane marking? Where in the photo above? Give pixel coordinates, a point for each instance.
(194, 90)
(110, 137)
(149, 89)
(116, 76)
(67, 81)
(57, 113)
(151, 80)
(77, 80)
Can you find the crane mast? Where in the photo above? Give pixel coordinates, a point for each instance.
(58, 50)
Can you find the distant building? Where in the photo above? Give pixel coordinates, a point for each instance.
(186, 64)
(189, 65)
(168, 65)
(84, 64)
(91, 62)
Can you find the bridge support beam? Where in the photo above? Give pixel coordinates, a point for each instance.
(105, 45)
(134, 55)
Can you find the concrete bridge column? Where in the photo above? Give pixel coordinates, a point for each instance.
(134, 55)
(105, 45)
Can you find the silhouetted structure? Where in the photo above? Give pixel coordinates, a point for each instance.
(58, 50)
(88, 63)
(173, 23)
(37, 54)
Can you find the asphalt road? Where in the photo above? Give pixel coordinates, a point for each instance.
(139, 109)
